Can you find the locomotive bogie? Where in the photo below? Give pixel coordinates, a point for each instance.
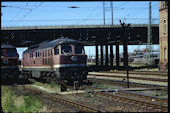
(9, 73)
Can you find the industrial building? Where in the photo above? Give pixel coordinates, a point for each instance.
(163, 34)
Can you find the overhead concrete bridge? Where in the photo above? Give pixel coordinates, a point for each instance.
(91, 34)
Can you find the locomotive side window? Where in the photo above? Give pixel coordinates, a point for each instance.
(48, 52)
(43, 62)
(79, 49)
(31, 55)
(43, 53)
(56, 52)
(49, 62)
(66, 49)
(51, 52)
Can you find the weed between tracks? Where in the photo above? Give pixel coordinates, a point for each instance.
(160, 93)
(102, 85)
(51, 85)
(14, 103)
(91, 97)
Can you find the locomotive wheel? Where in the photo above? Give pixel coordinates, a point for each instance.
(16, 78)
(30, 75)
(48, 80)
(43, 77)
(54, 77)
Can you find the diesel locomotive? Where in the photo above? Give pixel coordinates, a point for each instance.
(9, 63)
(59, 59)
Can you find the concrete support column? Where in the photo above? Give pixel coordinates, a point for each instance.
(106, 61)
(97, 55)
(101, 57)
(117, 54)
(125, 54)
(111, 55)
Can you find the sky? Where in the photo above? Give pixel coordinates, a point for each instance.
(87, 13)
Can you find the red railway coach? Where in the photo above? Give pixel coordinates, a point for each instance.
(60, 59)
(9, 62)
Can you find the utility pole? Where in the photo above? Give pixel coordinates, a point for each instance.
(104, 11)
(149, 41)
(111, 3)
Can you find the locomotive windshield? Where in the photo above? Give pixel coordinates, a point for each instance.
(79, 49)
(9, 53)
(66, 49)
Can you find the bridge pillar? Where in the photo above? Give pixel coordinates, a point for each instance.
(117, 55)
(97, 55)
(101, 57)
(111, 55)
(106, 60)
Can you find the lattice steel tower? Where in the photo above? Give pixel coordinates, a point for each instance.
(149, 41)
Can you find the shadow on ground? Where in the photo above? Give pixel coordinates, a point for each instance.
(20, 81)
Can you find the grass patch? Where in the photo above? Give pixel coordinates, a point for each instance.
(14, 103)
(87, 94)
(52, 85)
(160, 93)
(102, 85)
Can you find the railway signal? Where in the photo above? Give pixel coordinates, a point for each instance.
(126, 36)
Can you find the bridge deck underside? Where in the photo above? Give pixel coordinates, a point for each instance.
(25, 38)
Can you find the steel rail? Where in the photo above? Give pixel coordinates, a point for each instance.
(139, 78)
(135, 101)
(148, 104)
(138, 72)
(54, 97)
(164, 100)
(132, 84)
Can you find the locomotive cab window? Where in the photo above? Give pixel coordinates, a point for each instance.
(79, 49)
(66, 49)
(56, 51)
(2, 52)
(9, 53)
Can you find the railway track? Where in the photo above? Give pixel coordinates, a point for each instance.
(124, 84)
(134, 99)
(138, 78)
(64, 101)
(155, 73)
(122, 97)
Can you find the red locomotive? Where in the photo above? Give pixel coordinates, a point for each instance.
(9, 62)
(61, 59)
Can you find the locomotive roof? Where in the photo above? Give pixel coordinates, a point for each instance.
(51, 44)
(3, 45)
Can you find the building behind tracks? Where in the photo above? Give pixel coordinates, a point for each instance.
(163, 34)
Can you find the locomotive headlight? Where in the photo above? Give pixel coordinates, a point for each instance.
(5, 61)
(74, 58)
